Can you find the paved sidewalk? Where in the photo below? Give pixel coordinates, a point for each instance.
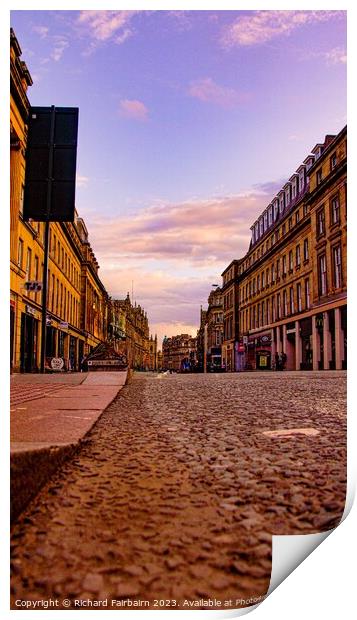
(49, 417)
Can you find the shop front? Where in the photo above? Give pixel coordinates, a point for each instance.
(306, 344)
(29, 340)
(259, 352)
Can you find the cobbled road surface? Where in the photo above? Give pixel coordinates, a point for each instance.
(174, 496)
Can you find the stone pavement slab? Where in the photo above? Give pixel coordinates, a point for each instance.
(48, 427)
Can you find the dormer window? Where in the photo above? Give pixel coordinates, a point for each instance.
(281, 204)
(270, 215)
(265, 220)
(287, 196)
(276, 210)
(261, 226)
(301, 180)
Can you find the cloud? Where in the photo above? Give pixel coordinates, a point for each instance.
(172, 303)
(42, 31)
(259, 27)
(103, 26)
(338, 55)
(172, 253)
(60, 44)
(202, 233)
(132, 108)
(205, 89)
(81, 181)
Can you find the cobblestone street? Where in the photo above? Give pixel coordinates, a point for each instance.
(179, 486)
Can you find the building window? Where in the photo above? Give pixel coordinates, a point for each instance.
(273, 308)
(272, 274)
(268, 275)
(290, 223)
(278, 268)
(320, 221)
(291, 260)
(53, 294)
(297, 216)
(284, 265)
(337, 266)
(307, 293)
(28, 264)
(297, 256)
(253, 286)
(306, 249)
(276, 210)
(20, 253)
(335, 210)
(282, 203)
(305, 210)
(291, 300)
(298, 297)
(301, 180)
(263, 279)
(287, 196)
(258, 284)
(285, 303)
(283, 230)
(262, 313)
(278, 298)
(333, 161)
(322, 274)
(319, 176)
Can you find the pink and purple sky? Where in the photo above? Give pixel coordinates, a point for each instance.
(190, 121)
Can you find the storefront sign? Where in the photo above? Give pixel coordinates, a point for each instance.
(118, 362)
(241, 347)
(265, 339)
(31, 311)
(33, 285)
(63, 325)
(57, 363)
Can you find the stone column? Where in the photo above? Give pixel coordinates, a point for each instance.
(315, 345)
(327, 342)
(298, 346)
(339, 348)
(285, 341)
